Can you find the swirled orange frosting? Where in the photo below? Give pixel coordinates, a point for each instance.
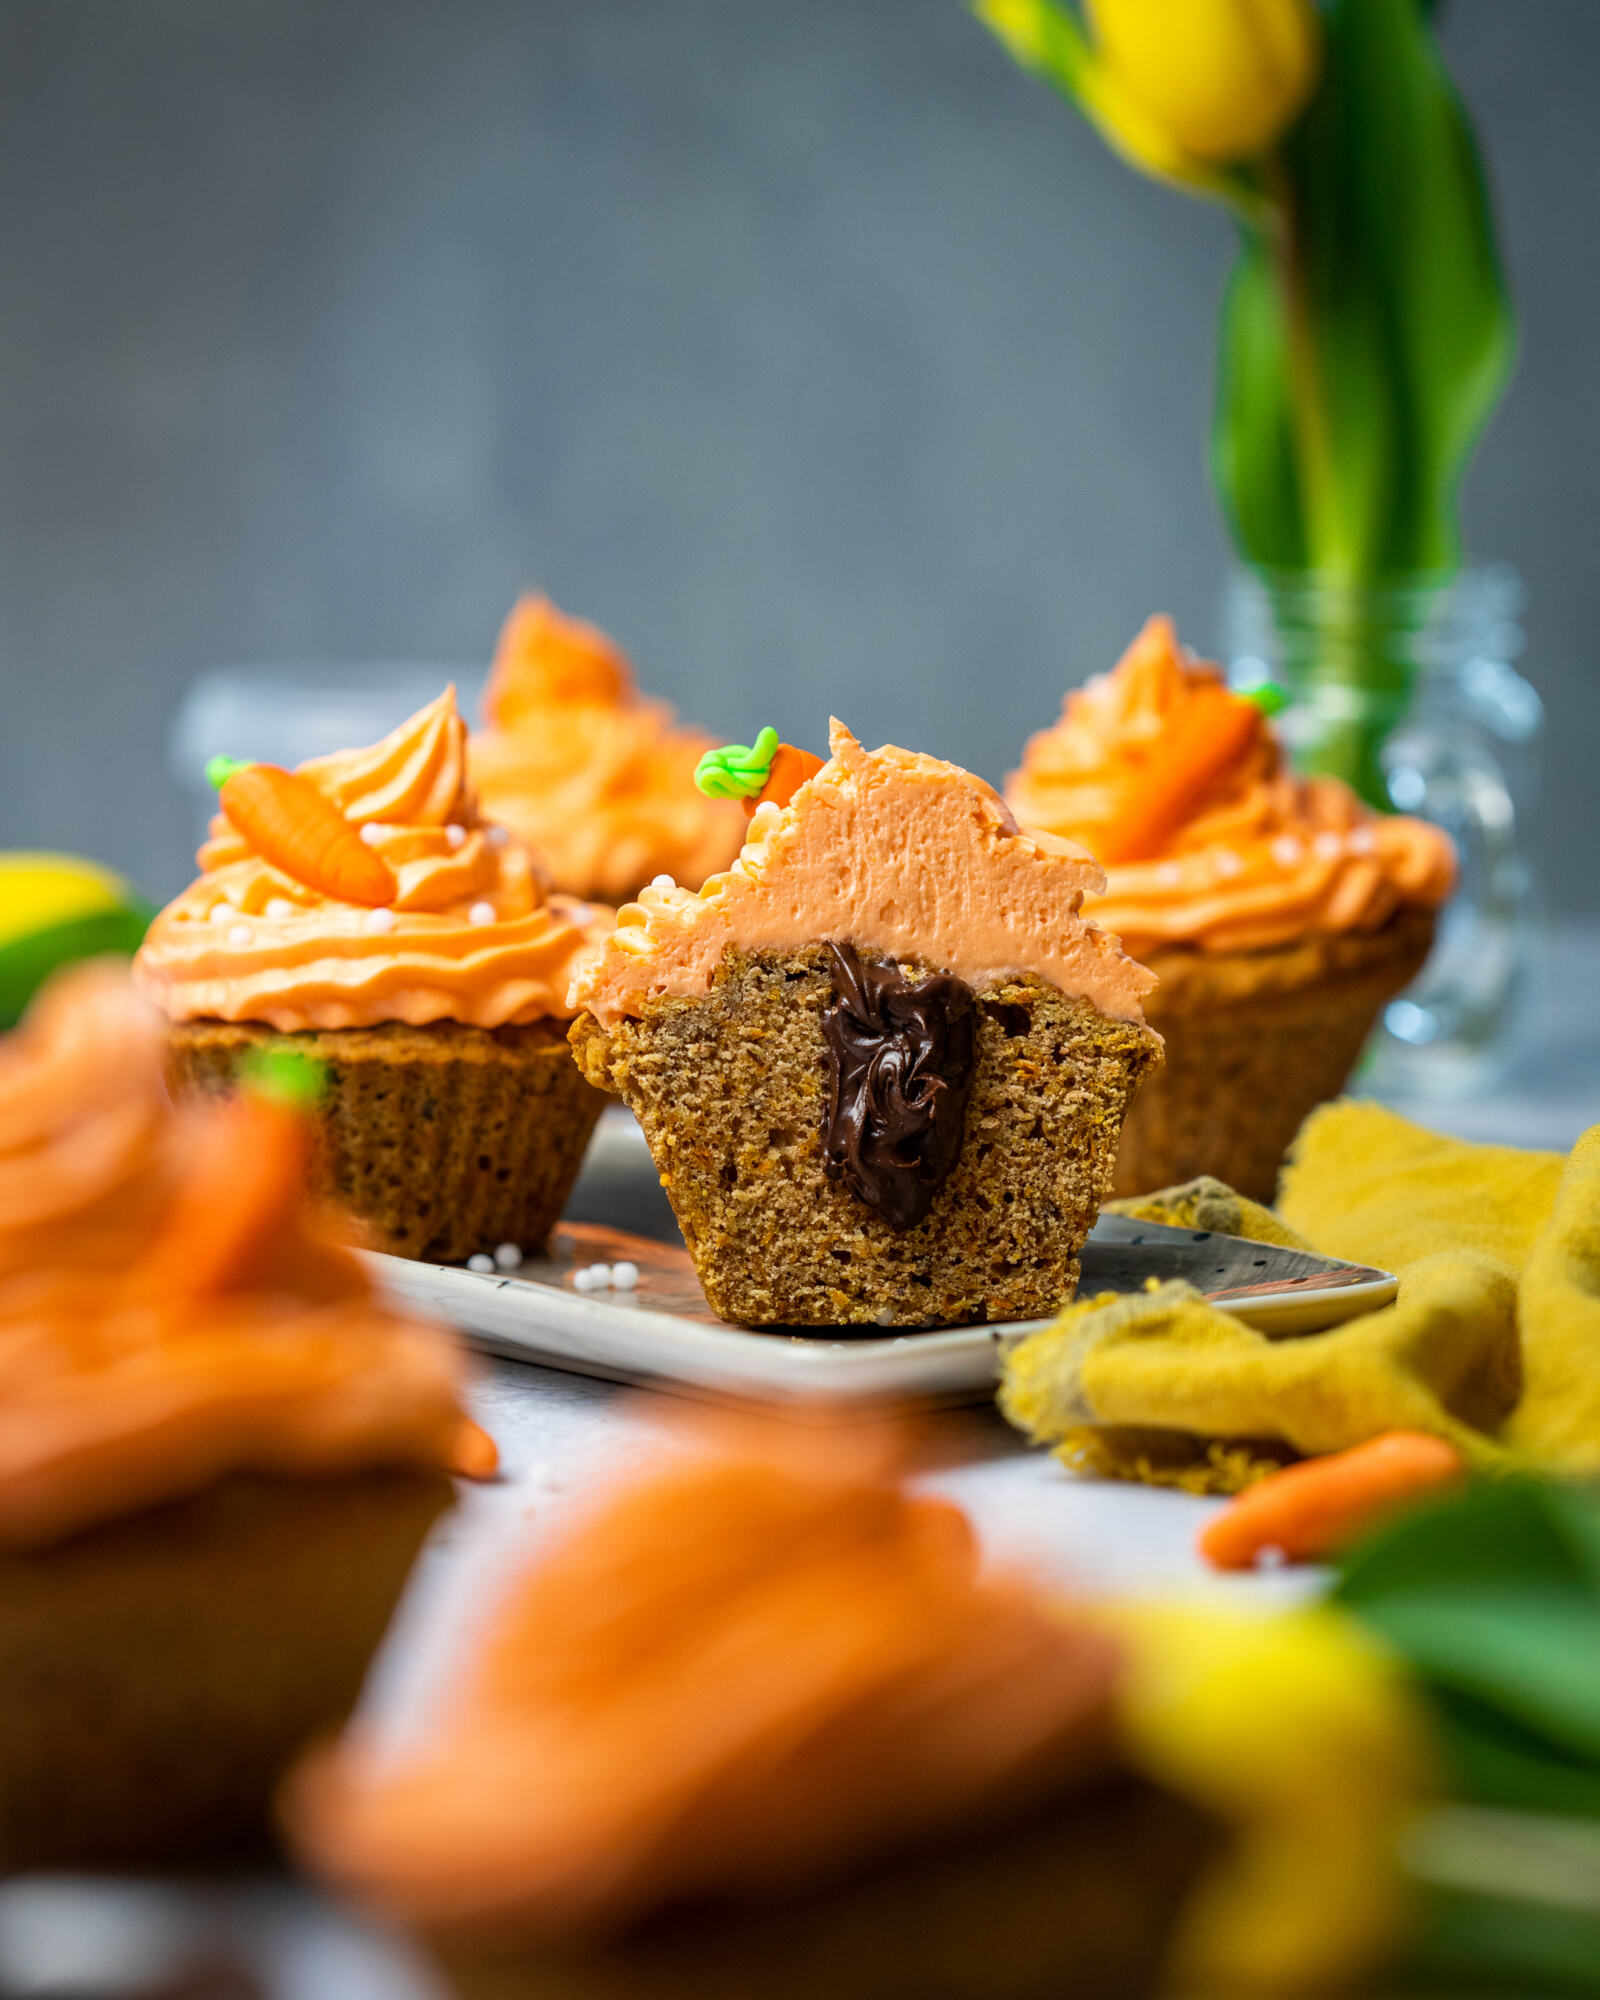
(85, 1127)
(749, 1671)
(595, 777)
(177, 1313)
(472, 935)
(896, 852)
(1208, 839)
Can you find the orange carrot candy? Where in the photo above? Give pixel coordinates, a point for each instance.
(1213, 727)
(763, 773)
(298, 829)
(1319, 1506)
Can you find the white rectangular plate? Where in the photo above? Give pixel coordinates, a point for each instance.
(665, 1336)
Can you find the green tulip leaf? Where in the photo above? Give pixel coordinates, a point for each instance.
(1407, 325)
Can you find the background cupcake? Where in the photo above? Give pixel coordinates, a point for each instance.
(1280, 914)
(365, 909)
(219, 1453)
(591, 774)
(883, 1061)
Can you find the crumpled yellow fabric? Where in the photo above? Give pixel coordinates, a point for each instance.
(1493, 1342)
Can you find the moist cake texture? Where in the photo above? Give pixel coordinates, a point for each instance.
(731, 1091)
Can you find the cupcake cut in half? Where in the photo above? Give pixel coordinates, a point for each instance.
(590, 773)
(1280, 914)
(759, 1726)
(882, 1063)
(427, 971)
(219, 1452)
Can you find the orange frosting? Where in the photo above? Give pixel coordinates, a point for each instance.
(592, 775)
(472, 935)
(895, 852)
(748, 1671)
(1209, 840)
(235, 1335)
(84, 1126)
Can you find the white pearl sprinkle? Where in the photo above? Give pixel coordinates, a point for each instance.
(371, 832)
(498, 836)
(584, 1280)
(240, 934)
(223, 913)
(624, 1276)
(279, 908)
(1287, 851)
(663, 882)
(507, 1256)
(1229, 864)
(480, 1263)
(1362, 841)
(1271, 1557)
(380, 920)
(1169, 875)
(481, 913)
(1327, 846)
(455, 835)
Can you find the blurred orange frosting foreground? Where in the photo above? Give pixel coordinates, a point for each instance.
(746, 1672)
(169, 1309)
(472, 934)
(893, 851)
(1179, 787)
(593, 776)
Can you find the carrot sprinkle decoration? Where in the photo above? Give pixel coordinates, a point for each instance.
(1319, 1506)
(299, 830)
(765, 772)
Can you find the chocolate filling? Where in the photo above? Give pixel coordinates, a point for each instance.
(899, 1061)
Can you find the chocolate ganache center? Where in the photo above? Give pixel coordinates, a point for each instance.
(900, 1056)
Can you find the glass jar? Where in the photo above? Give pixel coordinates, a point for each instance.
(1411, 693)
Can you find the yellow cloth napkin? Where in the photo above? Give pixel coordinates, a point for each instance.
(1493, 1342)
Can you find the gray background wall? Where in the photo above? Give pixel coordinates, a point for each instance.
(823, 358)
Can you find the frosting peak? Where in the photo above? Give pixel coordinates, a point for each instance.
(593, 776)
(471, 933)
(170, 1309)
(1181, 788)
(891, 851)
(746, 1672)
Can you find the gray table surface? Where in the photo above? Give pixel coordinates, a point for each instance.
(561, 1435)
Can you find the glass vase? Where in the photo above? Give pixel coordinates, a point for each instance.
(1410, 691)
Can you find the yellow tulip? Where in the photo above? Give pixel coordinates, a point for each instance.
(1219, 80)
(1298, 1733)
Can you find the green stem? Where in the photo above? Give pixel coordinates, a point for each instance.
(1313, 437)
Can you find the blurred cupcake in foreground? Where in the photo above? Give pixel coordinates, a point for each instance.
(591, 774)
(362, 908)
(883, 1061)
(1279, 913)
(759, 1726)
(219, 1453)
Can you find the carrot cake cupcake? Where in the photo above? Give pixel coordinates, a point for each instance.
(1279, 913)
(586, 770)
(882, 1063)
(759, 1726)
(219, 1454)
(364, 909)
